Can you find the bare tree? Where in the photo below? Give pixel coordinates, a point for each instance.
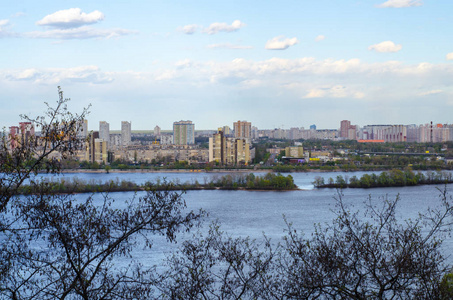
(61, 247)
(370, 256)
(22, 157)
(217, 266)
(373, 255)
(85, 246)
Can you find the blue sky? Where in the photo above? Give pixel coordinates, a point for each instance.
(273, 63)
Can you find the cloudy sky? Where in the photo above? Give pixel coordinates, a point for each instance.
(287, 63)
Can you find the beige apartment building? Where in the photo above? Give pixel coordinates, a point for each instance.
(189, 153)
(228, 151)
(242, 129)
(95, 150)
(294, 151)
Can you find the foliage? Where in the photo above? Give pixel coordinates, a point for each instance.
(387, 179)
(270, 181)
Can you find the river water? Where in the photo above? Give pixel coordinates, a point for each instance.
(254, 213)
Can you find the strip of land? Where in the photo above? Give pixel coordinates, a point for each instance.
(392, 178)
(270, 182)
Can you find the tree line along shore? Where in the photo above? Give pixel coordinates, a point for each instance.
(237, 181)
(270, 181)
(392, 178)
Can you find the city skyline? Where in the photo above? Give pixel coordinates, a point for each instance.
(104, 126)
(95, 126)
(278, 65)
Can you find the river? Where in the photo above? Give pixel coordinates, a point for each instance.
(254, 213)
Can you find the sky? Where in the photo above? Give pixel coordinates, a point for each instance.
(277, 64)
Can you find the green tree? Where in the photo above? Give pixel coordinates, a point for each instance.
(319, 181)
(340, 181)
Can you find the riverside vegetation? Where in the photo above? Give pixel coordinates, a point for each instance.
(270, 181)
(392, 178)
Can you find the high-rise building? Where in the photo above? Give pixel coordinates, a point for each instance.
(115, 140)
(100, 151)
(241, 151)
(395, 133)
(14, 135)
(96, 149)
(242, 129)
(156, 131)
(27, 131)
(217, 147)
(344, 128)
(183, 133)
(352, 132)
(104, 131)
(348, 131)
(125, 133)
(82, 129)
(255, 134)
(226, 130)
(228, 151)
(21, 135)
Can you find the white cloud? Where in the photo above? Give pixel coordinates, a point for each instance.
(432, 92)
(70, 18)
(252, 83)
(189, 29)
(74, 31)
(336, 91)
(337, 85)
(320, 38)
(228, 46)
(18, 14)
(86, 74)
(400, 3)
(166, 75)
(4, 29)
(218, 27)
(311, 78)
(185, 63)
(387, 46)
(84, 32)
(449, 56)
(27, 74)
(280, 43)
